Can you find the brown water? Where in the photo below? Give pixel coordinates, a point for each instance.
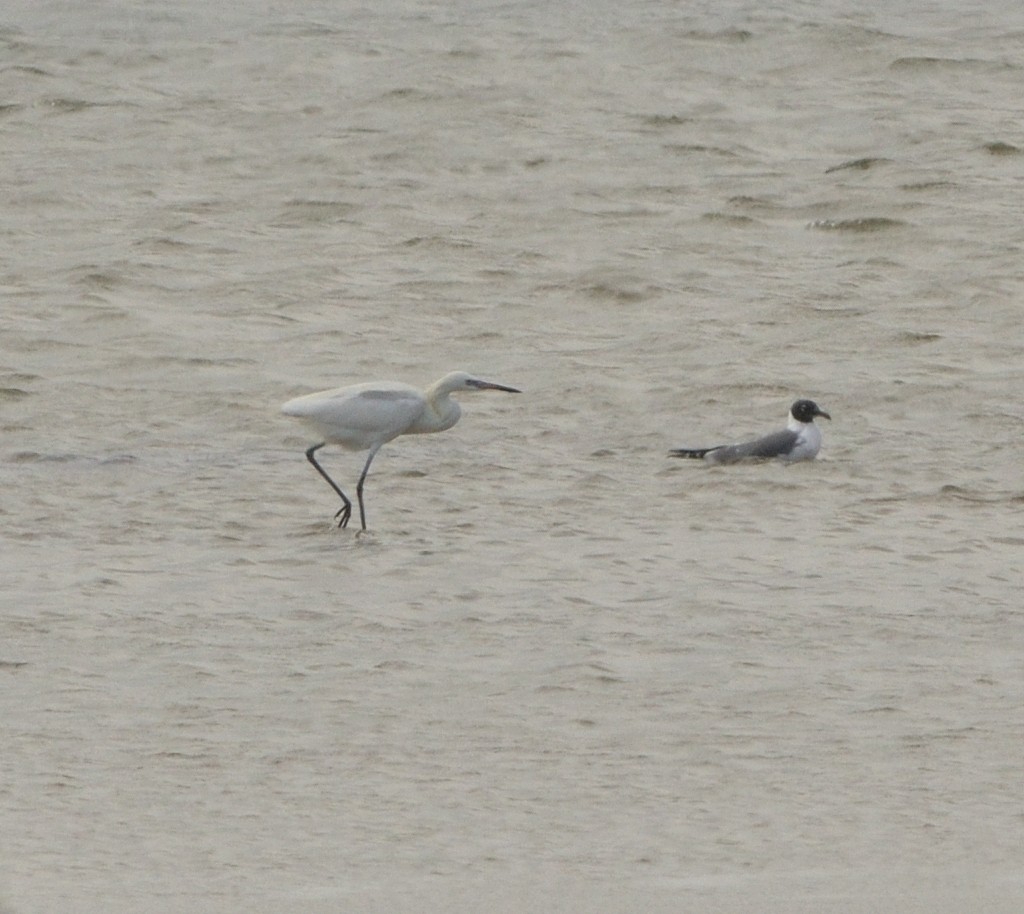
(562, 672)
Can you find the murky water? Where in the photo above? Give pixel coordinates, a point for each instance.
(561, 672)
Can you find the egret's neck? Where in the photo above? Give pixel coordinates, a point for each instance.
(441, 413)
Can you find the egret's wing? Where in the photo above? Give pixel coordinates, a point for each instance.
(360, 416)
(776, 444)
(375, 409)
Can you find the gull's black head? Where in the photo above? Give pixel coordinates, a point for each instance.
(806, 410)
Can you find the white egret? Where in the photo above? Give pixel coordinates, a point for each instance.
(367, 416)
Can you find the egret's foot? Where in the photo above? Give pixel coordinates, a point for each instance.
(343, 515)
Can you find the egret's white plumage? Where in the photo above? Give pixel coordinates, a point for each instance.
(367, 416)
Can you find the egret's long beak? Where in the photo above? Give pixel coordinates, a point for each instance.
(488, 385)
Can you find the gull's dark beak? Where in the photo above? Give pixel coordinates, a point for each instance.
(822, 413)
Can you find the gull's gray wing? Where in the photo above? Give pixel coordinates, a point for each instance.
(777, 444)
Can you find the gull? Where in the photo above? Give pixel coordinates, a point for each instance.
(799, 440)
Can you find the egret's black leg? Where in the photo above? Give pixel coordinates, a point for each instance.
(359, 485)
(345, 512)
